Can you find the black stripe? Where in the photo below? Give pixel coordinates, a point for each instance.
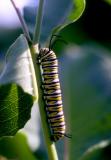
(52, 94)
(57, 116)
(50, 83)
(54, 105)
(46, 59)
(60, 126)
(50, 73)
(49, 66)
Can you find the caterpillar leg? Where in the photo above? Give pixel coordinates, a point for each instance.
(56, 137)
(38, 60)
(42, 87)
(68, 135)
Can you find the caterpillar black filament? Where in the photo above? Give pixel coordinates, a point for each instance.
(52, 93)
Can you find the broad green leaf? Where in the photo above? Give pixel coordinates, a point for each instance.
(86, 78)
(15, 102)
(16, 148)
(56, 13)
(15, 109)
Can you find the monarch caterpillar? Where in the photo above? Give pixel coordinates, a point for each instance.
(52, 93)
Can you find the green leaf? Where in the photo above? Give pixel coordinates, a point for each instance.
(18, 72)
(16, 147)
(16, 102)
(79, 6)
(15, 109)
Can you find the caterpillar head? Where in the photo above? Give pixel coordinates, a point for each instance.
(46, 54)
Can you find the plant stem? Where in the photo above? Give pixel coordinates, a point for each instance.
(52, 154)
(39, 17)
(24, 26)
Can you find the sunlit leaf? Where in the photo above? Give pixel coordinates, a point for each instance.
(79, 6)
(18, 67)
(16, 88)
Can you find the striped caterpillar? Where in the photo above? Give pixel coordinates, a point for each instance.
(52, 93)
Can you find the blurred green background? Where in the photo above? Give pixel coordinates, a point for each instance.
(85, 75)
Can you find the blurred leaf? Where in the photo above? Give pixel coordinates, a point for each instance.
(15, 109)
(6, 41)
(3, 158)
(86, 75)
(56, 13)
(99, 152)
(16, 147)
(108, 1)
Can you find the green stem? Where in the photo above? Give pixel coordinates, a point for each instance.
(52, 154)
(39, 16)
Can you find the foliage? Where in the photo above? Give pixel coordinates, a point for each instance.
(12, 100)
(16, 147)
(84, 73)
